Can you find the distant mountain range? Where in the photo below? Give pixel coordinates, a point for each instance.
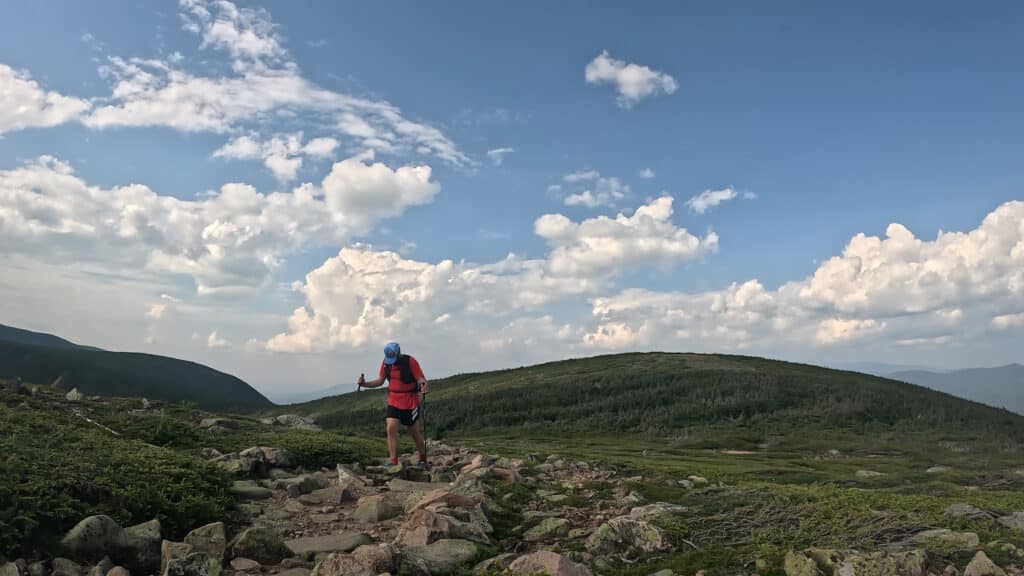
(44, 359)
(1002, 387)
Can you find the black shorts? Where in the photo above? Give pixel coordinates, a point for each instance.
(406, 417)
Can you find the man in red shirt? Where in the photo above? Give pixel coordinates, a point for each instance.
(405, 384)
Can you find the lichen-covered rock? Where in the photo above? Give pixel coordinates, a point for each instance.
(656, 510)
(210, 540)
(546, 562)
(496, 564)
(547, 529)
(798, 564)
(260, 544)
(441, 557)
(65, 567)
(943, 540)
(137, 547)
(626, 533)
(982, 565)
(310, 546)
(363, 561)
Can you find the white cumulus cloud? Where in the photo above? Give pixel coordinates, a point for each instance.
(282, 154)
(26, 104)
(632, 82)
(215, 341)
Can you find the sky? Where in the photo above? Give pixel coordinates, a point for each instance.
(277, 189)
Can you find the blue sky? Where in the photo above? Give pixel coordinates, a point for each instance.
(821, 122)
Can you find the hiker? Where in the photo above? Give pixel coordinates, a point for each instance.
(405, 383)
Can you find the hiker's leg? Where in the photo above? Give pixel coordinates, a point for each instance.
(417, 436)
(393, 439)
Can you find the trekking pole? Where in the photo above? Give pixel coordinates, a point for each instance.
(359, 387)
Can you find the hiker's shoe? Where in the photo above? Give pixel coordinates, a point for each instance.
(393, 468)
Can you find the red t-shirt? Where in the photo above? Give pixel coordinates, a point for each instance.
(402, 400)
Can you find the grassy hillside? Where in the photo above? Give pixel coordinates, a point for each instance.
(696, 400)
(97, 372)
(1002, 386)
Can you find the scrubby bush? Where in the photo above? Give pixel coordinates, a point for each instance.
(57, 469)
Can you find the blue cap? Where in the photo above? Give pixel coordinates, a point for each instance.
(391, 352)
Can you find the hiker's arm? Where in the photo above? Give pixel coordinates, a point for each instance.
(417, 373)
(424, 385)
(370, 383)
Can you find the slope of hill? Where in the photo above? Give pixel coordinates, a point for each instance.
(750, 401)
(19, 336)
(1002, 387)
(37, 357)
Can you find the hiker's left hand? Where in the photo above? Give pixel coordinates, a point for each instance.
(425, 387)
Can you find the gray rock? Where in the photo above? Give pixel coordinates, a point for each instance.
(102, 567)
(313, 545)
(38, 569)
(303, 484)
(298, 422)
(441, 557)
(943, 540)
(498, 563)
(325, 496)
(665, 572)
(548, 529)
(220, 422)
(963, 510)
(260, 544)
(249, 490)
(1014, 521)
(374, 508)
(244, 565)
(137, 547)
(10, 569)
(545, 562)
(193, 564)
(65, 567)
(119, 571)
(982, 565)
(363, 561)
(656, 510)
(209, 540)
(74, 396)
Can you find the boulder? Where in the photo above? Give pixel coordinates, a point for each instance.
(244, 565)
(545, 562)
(238, 465)
(74, 396)
(425, 527)
(1007, 548)
(298, 422)
(137, 547)
(331, 495)
(363, 561)
(798, 564)
(419, 500)
(260, 544)
(10, 569)
(277, 457)
(341, 542)
(865, 474)
(498, 563)
(348, 477)
(219, 422)
(626, 533)
(102, 567)
(249, 490)
(38, 569)
(171, 552)
(853, 563)
(656, 510)
(964, 510)
(547, 529)
(191, 564)
(65, 567)
(982, 565)
(1013, 521)
(118, 571)
(441, 557)
(374, 508)
(943, 540)
(303, 484)
(210, 540)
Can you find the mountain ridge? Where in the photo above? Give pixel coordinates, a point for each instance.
(999, 386)
(44, 358)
